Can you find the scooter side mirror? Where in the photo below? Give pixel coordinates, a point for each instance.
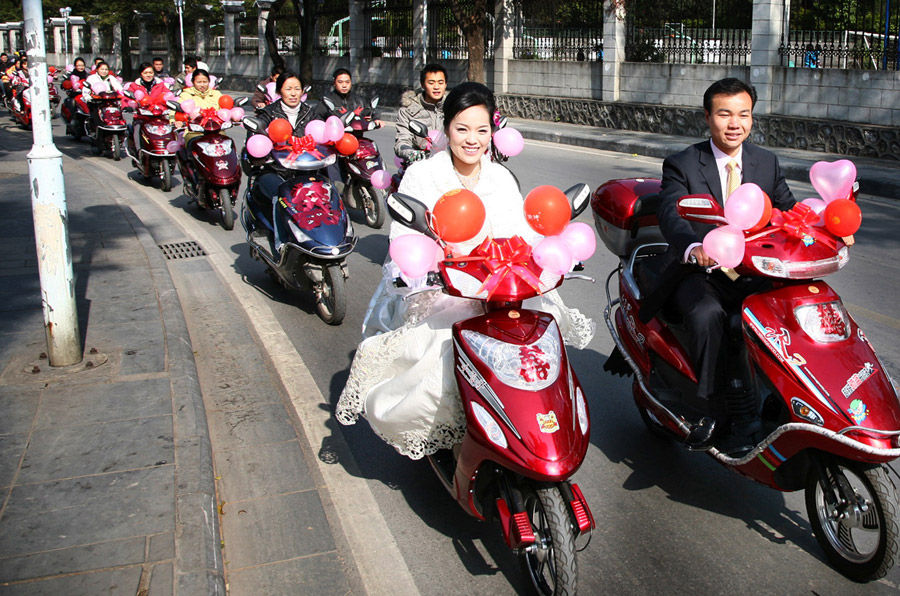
(328, 103)
(307, 89)
(375, 101)
(260, 88)
(348, 117)
(579, 196)
(701, 208)
(241, 101)
(503, 122)
(127, 93)
(252, 124)
(174, 105)
(418, 128)
(409, 212)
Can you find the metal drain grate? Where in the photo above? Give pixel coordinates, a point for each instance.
(182, 250)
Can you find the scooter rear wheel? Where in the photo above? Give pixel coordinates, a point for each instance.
(861, 544)
(371, 201)
(550, 562)
(225, 207)
(331, 305)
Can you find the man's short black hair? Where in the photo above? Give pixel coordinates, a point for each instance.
(340, 71)
(192, 62)
(277, 71)
(429, 68)
(729, 87)
(158, 59)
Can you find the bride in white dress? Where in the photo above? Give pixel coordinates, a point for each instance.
(402, 377)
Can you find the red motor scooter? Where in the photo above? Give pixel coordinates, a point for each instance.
(830, 417)
(527, 424)
(75, 112)
(148, 145)
(357, 169)
(209, 163)
(21, 106)
(110, 128)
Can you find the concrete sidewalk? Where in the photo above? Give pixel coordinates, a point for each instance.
(114, 476)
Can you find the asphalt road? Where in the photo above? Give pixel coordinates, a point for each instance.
(669, 521)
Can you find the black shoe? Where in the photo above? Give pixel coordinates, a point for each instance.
(701, 434)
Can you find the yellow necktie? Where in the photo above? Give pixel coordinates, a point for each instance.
(734, 178)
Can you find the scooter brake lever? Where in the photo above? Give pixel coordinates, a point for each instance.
(579, 276)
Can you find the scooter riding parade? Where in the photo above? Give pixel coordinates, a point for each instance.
(462, 356)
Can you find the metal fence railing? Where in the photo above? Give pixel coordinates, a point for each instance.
(333, 28)
(558, 30)
(389, 28)
(676, 44)
(446, 40)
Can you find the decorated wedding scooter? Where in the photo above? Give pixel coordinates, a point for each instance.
(830, 416)
(527, 422)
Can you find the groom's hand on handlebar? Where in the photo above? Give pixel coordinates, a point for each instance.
(699, 256)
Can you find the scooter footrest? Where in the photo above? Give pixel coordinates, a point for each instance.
(521, 530)
(583, 518)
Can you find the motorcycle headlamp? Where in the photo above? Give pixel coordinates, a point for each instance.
(216, 148)
(826, 322)
(158, 129)
(774, 267)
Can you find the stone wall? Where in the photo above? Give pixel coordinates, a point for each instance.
(556, 79)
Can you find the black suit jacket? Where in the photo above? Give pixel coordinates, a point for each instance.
(690, 172)
(693, 171)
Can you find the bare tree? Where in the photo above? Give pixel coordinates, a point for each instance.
(470, 16)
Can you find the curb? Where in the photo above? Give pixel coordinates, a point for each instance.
(199, 568)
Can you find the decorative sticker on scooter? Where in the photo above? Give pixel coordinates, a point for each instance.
(857, 379)
(310, 205)
(548, 422)
(780, 340)
(861, 335)
(858, 411)
(771, 458)
(533, 364)
(221, 165)
(632, 325)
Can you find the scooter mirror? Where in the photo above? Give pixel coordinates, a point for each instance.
(260, 88)
(174, 105)
(241, 101)
(410, 212)
(701, 208)
(348, 117)
(307, 89)
(503, 122)
(328, 103)
(375, 101)
(579, 197)
(127, 93)
(418, 129)
(251, 123)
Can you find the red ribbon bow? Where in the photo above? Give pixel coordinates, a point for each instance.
(509, 256)
(207, 114)
(300, 145)
(799, 222)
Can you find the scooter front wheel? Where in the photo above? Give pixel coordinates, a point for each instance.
(853, 510)
(116, 147)
(550, 562)
(225, 206)
(331, 302)
(371, 201)
(165, 173)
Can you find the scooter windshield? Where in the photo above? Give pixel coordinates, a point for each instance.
(303, 159)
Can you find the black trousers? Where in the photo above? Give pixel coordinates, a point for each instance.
(706, 301)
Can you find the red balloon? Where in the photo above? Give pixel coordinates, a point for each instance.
(766, 216)
(347, 145)
(67, 84)
(144, 101)
(280, 130)
(547, 210)
(226, 102)
(842, 217)
(181, 117)
(458, 216)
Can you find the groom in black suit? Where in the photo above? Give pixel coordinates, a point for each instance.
(714, 167)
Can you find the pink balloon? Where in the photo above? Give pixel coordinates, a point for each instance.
(580, 239)
(334, 129)
(316, 129)
(223, 114)
(817, 205)
(381, 179)
(833, 180)
(173, 146)
(100, 87)
(168, 81)
(725, 245)
(70, 67)
(169, 96)
(188, 105)
(259, 145)
(237, 114)
(553, 254)
(139, 94)
(414, 254)
(398, 162)
(270, 91)
(509, 141)
(745, 207)
(438, 140)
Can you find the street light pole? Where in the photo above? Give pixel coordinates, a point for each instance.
(48, 205)
(179, 6)
(65, 12)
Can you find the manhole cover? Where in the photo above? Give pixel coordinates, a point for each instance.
(182, 250)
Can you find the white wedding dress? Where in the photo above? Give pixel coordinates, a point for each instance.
(402, 377)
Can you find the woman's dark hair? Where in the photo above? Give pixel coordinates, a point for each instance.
(199, 72)
(466, 95)
(143, 66)
(285, 76)
(77, 60)
(101, 63)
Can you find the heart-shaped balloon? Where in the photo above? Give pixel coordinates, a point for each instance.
(833, 179)
(726, 245)
(745, 206)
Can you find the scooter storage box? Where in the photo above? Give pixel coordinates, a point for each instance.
(625, 213)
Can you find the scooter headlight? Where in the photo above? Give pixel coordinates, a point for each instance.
(217, 148)
(490, 426)
(531, 367)
(827, 322)
(158, 129)
(800, 269)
